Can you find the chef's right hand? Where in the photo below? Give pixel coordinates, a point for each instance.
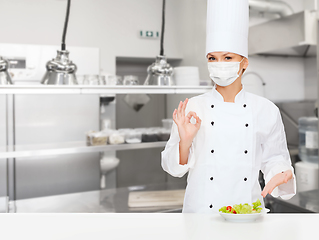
(187, 131)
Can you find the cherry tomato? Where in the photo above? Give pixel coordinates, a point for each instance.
(229, 208)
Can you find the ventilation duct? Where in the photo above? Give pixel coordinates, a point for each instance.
(293, 35)
(281, 8)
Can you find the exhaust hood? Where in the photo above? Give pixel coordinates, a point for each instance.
(294, 35)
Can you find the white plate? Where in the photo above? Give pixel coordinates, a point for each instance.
(243, 217)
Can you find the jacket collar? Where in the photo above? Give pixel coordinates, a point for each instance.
(239, 98)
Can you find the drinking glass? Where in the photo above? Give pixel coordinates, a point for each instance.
(102, 80)
(130, 80)
(91, 80)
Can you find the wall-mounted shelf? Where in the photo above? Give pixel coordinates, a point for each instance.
(78, 147)
(72, 148)
(97, 89)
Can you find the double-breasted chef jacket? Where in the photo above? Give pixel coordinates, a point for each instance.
(234, 142)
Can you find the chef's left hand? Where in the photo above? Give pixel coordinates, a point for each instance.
(277, 180)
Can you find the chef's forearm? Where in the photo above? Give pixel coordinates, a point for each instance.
(183, 152)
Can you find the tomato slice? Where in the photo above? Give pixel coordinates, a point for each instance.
(229, 208)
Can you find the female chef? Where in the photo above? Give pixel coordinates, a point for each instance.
(224, 137)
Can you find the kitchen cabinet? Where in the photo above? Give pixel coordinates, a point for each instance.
(44, 150)
(80, 147)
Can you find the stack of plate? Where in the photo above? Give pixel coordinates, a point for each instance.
(186, 76)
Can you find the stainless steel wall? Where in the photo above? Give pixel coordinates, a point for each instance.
(51, 119)
(3, 179)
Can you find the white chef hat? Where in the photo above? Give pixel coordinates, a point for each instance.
(227, 26)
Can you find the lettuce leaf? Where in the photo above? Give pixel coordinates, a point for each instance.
(256, 204)
(243, 208)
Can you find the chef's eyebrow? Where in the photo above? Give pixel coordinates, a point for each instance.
(212, 55)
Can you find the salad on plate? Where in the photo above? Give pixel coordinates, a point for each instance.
(242, 208)
(243, 212)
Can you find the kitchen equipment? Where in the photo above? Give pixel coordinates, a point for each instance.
(116, 137)
(130, 80)
(187, 76)
(119, 80)
(5, 77)
(156, 198)
(306, 176)
(102, 80)
(160, 73)
(107, 164)
(92, 80)
(275, 7)
(151, 135)
(141, 131)
(133, 136)
(167, 123)
(255, 84)
(114, 80)
(80, 79)
(61, 71)
(164, 134)
(88, 137)
(308, 139)
(97, 138)
(26, 61)
(136, 101)
(106, 123)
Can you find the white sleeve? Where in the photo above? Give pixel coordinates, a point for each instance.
(170, 156)
(276, 159)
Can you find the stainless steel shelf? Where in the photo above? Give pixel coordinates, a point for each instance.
(90, 89)
(71, 148)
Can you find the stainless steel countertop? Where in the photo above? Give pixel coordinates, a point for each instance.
(116, 200)
(307, 201)
(102, 201)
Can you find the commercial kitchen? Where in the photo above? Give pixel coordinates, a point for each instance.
(87, 95)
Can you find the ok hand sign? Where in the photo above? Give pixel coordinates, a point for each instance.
(187, 131)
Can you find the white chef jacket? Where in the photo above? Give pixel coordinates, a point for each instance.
(234, 142)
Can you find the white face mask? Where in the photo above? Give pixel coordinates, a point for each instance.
(224, 73)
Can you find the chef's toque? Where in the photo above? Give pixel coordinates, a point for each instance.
(227, 26)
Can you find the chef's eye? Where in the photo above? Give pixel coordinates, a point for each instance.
(228, 58)
(211, 59)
